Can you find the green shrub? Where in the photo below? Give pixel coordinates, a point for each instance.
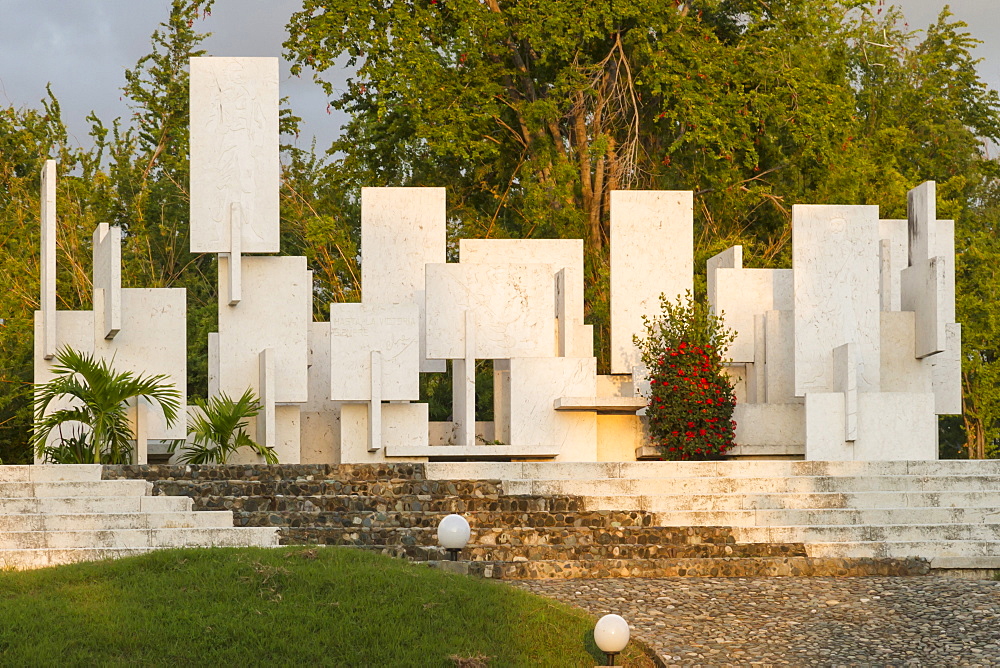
(219, 429)
(691, 400)
(97, 417)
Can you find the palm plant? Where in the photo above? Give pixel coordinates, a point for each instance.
(99, 398)
(219, 429)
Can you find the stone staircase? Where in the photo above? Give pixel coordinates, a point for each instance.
(947, 512)
(52, 515)
(395, 510)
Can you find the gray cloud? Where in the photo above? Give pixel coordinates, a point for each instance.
(84, 46)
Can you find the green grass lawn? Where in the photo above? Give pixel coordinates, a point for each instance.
(289, 606)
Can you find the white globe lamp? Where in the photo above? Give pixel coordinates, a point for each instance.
(453, 534)
(611, 635)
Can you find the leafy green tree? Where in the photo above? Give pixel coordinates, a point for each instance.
(219, 429)
(97, 416)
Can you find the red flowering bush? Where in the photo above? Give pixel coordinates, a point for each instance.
(691, 401)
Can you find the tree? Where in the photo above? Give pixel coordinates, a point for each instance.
(97, 415)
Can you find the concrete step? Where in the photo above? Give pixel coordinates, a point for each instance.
(104, 521)
(51, 473)
(394, 488)
(757, 485)
(828, 516)
(139, 538)
(413, 503)
(871, 533)
(267, 473)
(94, 504)
(510, 553)
(937, 551)
(633, 470)
(104, 488)
(415, 519)
(42, 558)
(663, 503)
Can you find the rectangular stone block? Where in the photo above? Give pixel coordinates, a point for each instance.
(946, 373)
(901, 371)
(107, 257)
(402, 229)
(924, 291)
(892, 426)
(357, 330)
(618, 437)
(403, 426)
(152, 341)
(274, 313)
(779, 366)
(893, 239)
(742, 294)
(535, 385)
(76, 330)
(835, 252)
(770, 424)
(513, 304)
(234, 154)
(652, 250)
(921, 211)
(896, 426)
(566, 258)
(47, 261)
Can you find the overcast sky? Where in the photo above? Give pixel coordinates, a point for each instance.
(84, 46)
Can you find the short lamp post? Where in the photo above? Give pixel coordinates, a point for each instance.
(611, 635)
(453, 534)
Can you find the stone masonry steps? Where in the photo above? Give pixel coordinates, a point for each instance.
(669, 502)
(947, 511)
(408, 504)
(395, 510)
(59, 514)
(430, 519)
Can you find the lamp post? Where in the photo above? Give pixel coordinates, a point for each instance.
(453, 534)
(611, 635)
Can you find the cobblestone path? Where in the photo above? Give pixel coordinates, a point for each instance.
(903, 621)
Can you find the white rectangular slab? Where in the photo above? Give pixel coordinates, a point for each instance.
(535, 386)
(566, 258)
(357, 330)
(47, 260)
(946, 373)
(652, 250)
(514, 306)
(924, 291)
(402, 229)
(234, 153)
(152, 341)
(76, 330)
(107, 256)
(559, 253)
(779, 358)
(901, 371)
(921, 212)
(892, 426)
(274, 313)
(835, 255)
(893, 235)
(770, 424)
(404, 426)
(742, 294)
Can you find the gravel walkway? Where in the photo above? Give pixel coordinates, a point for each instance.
(905, 621)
